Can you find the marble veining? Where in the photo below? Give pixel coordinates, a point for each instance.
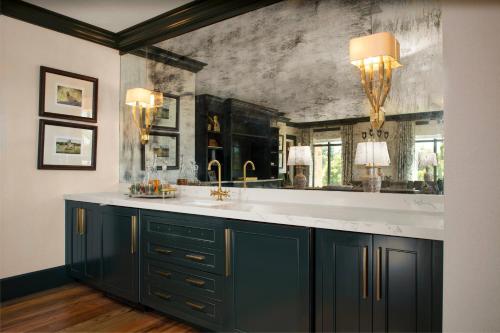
(376, 217)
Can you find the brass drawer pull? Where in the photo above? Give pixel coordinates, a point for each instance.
(196, 282)
(80, 227)
(195, 306)
(195, 257)
(162, 295)
(133, 233)
(163, 251)
(227, 239)
(164, 274)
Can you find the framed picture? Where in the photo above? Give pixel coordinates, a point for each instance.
(168, 115)
(66, 146)
(281, 139)
(165, 146)
(67, 95)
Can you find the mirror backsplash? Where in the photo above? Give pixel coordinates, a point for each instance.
(253, 86)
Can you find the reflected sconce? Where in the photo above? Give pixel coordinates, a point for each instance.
(376, 56)
(145, 104)
(372, 155)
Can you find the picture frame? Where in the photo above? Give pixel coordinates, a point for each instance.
(166, 119)
(165, 146)
(66, 146)
(67, 95)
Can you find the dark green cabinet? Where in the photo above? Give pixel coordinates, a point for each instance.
(343, 282)
(268, 272)
(376, 283)
(83, 242)
(102, 247)
(120, 252)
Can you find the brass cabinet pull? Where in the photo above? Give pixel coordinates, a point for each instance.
(364, 273)
(133, 233)
(195, 257)
(80, 221)
(195, 306)
(162, 295)
(164, 274)
(378, 277)
(163, 251)
(227, 238)
(196, 282)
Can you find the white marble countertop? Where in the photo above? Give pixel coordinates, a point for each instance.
(416, 219)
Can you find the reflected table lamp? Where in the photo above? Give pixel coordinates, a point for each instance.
(299, 156)
(372, 156)
(427, 159)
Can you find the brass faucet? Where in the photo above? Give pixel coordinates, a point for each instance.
(219, 194)
(245, 172)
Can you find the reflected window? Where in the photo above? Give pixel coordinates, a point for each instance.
(424, 146)
(327, 163)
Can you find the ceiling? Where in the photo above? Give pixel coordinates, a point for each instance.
(112, 15)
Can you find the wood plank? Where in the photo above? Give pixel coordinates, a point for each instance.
(77, 308)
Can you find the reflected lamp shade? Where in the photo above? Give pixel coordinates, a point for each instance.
(426, 159)
(139, 96)
(156, 99)
(299, 155)
(373, 49)
(372, 154)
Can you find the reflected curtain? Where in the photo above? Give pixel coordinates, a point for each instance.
(347, 137)
(405, 149)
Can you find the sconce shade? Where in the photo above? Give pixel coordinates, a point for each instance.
(139, 96)
(372, 154)
(426, 159)
(372, 49)
(299, 155)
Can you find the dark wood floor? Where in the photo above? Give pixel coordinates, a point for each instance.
(77, 308)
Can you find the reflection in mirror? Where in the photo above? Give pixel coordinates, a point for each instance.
(252, 87)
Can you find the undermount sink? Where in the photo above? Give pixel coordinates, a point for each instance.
(207, 203)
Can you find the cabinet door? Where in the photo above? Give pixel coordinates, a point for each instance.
(120, 252)
(402, 284)
(74, 240)
(343, 282)
(269, 278)
(83, 237)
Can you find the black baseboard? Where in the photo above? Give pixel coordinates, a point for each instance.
(29, 283)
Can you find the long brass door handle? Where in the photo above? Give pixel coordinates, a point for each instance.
(195, 257)
(378, 277)
(227, 238)
(195, 306)
(364, 272)
(162, 295)
(162, 250)
(133, 233)
(80, 221)
(196, 282)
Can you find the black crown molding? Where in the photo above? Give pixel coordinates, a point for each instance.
(170, 58)
(420, 116)
(51, 20)
(192, 16)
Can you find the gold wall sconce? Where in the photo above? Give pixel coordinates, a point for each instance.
(145, 104)
(376, 56)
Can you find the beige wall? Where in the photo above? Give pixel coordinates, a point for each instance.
(472, 201)
(31, 202)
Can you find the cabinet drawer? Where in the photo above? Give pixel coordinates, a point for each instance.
(184, 229)
(176, 303)
(205, 259)
(194, 283)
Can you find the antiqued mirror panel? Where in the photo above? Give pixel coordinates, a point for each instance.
(276, 86)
